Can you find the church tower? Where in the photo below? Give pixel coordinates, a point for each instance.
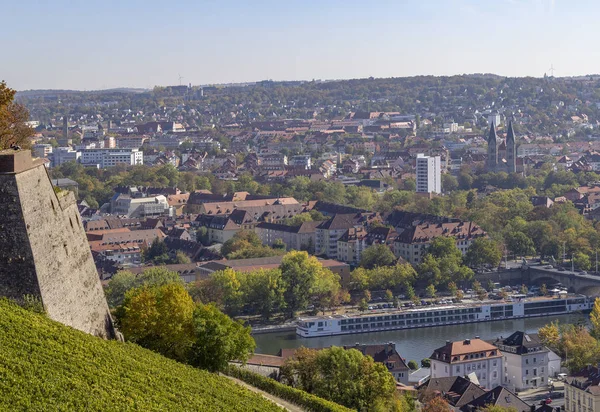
(492, 151)
(511, 150)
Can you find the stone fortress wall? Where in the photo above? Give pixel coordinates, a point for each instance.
(43, 247)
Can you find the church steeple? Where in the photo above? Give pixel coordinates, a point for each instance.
(492, 151)
(511, 149)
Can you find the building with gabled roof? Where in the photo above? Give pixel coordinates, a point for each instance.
(468, 356)
(582, 390)
(527, 362)
(456, 390)
(499, 396)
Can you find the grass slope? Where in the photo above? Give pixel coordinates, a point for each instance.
(46, 366)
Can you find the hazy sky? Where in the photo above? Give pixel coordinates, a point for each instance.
(103, 44)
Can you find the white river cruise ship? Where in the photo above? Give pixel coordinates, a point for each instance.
(422, 317)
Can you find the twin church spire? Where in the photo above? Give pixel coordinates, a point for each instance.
(505, 159)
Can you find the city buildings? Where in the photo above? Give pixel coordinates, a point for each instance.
(429, 178)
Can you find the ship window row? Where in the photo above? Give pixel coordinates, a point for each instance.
(407, 322)
(537, 311)
(411, 316)
(560, 303)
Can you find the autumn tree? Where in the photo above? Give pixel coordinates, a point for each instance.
(436, 404)
(13, 120)
(158, 318)
(124, 280)
(595, 319)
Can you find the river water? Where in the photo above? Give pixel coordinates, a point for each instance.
(413, 343)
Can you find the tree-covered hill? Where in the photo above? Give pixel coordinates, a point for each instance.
(45, 366)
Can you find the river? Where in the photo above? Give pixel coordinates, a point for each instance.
(412, 343)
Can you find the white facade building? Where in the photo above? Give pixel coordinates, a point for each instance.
(526, 362)
(111, 157)
(466, 357)
(429, 178)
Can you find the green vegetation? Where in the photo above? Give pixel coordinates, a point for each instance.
(246, 244)
(162, 316)
(47, 366)
(573, 343)
(343, 376)
(293, 395)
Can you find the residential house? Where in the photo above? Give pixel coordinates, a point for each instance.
(526, 361)
(468, 356)
(389, 356)
(300, 237)
(330, 231)
(582, 390)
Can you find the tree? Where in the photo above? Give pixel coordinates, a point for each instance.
(226, 290)
(218, 339)
(157, 252)
(483, 251)
(443, 263)
(595, 319)
(574, 343)
(181, 257)
(262, 291)
(459, 295)
(524, 289)
(430, 291)
(13, 117)
(498, 408)
(343, 376)
(412, 365)
(158, 318)
(246, 244)
(449, 183)
(124, 280)
(582, 261)
(436, 404)
(519, 244)
(325, 292)
(377, 255)
(425, 363)
(302, 276)
(543, 289)
(363, 305)
(452, 288)
(389, 296)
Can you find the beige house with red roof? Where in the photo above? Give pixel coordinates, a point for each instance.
(470, 356)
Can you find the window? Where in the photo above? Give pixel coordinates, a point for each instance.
(458, 369)
(526, 371)
(527, 361)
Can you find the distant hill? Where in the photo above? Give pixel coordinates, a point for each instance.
(45, 366)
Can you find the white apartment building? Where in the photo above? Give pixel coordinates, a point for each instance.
(470, 356)
(111, 157)
(429, 178)
(526, 361)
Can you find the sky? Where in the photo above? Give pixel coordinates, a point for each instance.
(90, 45)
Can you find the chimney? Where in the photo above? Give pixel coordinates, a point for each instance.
(391, 346)
(476, 337)
(467, 342)
(447, 342)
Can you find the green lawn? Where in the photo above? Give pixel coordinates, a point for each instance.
(45, 366)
